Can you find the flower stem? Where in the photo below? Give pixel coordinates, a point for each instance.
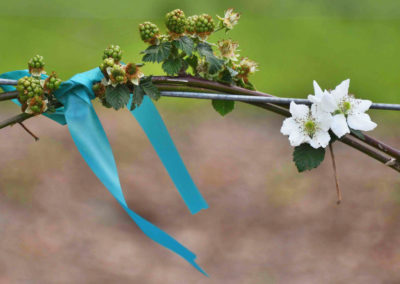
(27, 130)
(338, 192)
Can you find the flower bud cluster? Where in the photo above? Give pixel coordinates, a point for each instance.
(34, 93)
(179, 25)
(36, 66)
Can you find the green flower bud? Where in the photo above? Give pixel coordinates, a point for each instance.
(108, 62)
(204, 25)
(99, 90)
(52, 83)
(114, 52)
(175, 21)
(35, 105)
(27, 87)
(191, 24)
(149, 32)
(36, 65)
(117, 74)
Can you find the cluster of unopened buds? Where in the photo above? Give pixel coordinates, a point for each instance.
(34, 92)
(335, 111)
(199, 28)
(115, 73)
(178, 25)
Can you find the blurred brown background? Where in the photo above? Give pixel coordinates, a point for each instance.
(266, 222)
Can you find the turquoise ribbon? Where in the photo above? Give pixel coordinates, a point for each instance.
(89, 136)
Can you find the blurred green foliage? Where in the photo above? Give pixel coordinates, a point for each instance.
(294, 42)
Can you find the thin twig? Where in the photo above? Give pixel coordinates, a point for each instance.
(338, 192)
(30, 132)
(379, 145)
(15, 119)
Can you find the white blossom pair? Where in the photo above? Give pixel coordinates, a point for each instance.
(335, 110)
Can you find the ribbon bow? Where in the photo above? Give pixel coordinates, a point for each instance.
(91, 140)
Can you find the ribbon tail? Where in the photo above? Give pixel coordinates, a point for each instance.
(91, 141)
(153, 125)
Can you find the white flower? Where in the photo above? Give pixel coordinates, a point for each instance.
(228, 49)
(307, 126)
(347, 111)
(230, 19)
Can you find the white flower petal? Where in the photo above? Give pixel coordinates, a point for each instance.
(324, 121)
(328, 102)
(341, 91)
(105, 82)
(289, 125)
(297, 138)
(321, 139)
(359, 106)
(299, 111)
(343, 87)
(339, 125)
(108, 70)
(314, 99)
(135, 81)
(361, 121)
(317, 89)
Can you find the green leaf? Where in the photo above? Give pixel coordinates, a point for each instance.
(137, 97)
(157, 52)
(223, 107)
(193, 61)
(185, 44)
(214, 64)
(204, 49)
(172, 66)
(357, 133)
(306, 157)
(226, 76)
(117, 96)
(149, 88)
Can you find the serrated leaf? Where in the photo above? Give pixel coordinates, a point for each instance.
(307, 158)
(214, 64)
(357, 133)
(185, 44)
(157, 53)
(137, 97)
(149, 88)
(172, 66)
(223, 107)
(204, 49)
(226, 77)
(193, 61)
(117, 96)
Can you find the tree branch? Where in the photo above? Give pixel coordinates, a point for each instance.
(15, 119)
(198, 84)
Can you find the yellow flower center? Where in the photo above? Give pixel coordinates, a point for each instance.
(310, 127)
